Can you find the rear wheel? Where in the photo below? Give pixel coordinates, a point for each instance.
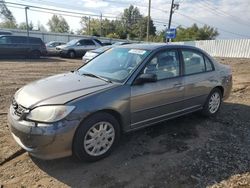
(213, 103)
(96, 137)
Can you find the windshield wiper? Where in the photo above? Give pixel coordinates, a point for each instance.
(95, 76)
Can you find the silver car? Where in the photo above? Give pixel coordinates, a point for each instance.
(126, 88)
(51, 47)
(78, 47)
(93, 53)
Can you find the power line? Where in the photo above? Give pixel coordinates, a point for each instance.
(78, 16)
(220, 13)
(224, 12)
(57, 10)
(186, 16)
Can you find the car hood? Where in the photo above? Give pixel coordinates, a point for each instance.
(62, 46)
(59, 89)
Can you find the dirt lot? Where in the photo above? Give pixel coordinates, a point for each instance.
(190, 151)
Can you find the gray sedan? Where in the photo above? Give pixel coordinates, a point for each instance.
(51, 47)
(126, 88)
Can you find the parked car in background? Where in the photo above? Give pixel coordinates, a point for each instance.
(5, 33)
(121, 43)
(132, 86)
(93, 53)
(51, 47)
(106, 43)
(78, 47)
(22, 46)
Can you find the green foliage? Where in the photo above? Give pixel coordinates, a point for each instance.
(113, 35)
(8, 24)
(196, 33)
(41, 27)
(23, 26)
(58, 24)
(6, 15)
(132, 25)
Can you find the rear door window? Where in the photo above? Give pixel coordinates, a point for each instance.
(89, 42)
(18, 40)
(193, 62)
(35, 40)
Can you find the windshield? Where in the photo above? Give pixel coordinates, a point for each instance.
(116, 64)
(72, 42)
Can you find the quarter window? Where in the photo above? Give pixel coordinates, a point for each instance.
(164, 64)
(209, 66)
(193, 62)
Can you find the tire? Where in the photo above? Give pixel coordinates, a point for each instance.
(72, 54)
(102, 145)
(35, 54)
(213, 103)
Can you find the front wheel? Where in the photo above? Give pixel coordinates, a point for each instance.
(96, 137)
(213, 103)
(72, 54)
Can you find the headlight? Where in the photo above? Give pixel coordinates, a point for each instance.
(49, 113)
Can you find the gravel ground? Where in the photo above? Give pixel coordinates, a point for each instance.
(190, 151)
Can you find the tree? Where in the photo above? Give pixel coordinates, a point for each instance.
(6, 15)
(132, 24)
(41, 27)
(23, 26)
(58, 24)
(196, 33)
(135, 24)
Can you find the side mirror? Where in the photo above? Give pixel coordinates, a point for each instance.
(78, 44)
(144, 78)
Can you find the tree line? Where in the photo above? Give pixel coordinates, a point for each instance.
(131, 25)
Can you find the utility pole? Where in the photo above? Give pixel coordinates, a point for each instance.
(174, 6)
(101, 25)
(89, 26)
(149, 7)
(170, 17)
(27, 23)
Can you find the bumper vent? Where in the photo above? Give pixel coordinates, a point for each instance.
(18, 109)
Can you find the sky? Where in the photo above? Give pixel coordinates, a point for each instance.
(230, 17)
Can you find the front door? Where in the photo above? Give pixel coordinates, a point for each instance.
(156, 101)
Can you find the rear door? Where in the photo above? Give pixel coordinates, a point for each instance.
(152, 102)
(199, 77)
(20, 45)
(89, 44)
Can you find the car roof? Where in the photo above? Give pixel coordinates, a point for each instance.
(154, 46)
(20, 36)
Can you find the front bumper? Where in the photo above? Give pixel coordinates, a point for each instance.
(63, 53)
(44, 141)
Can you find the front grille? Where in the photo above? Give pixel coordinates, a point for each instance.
(18, 109)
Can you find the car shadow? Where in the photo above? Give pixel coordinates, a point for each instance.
(190, 151)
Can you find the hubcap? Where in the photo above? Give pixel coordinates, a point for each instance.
(99, 138)
(214, 102)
